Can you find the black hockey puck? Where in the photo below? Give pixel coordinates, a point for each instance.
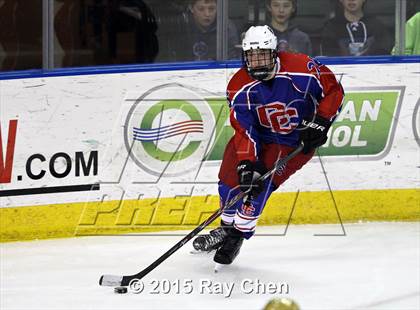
(120, 290)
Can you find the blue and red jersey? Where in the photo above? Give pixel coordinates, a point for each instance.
(270, 111)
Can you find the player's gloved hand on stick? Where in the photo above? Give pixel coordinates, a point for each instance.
(313, 133)
(248, 174)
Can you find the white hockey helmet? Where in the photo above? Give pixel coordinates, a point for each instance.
(259, 47)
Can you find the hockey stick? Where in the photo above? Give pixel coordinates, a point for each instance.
(113, 280)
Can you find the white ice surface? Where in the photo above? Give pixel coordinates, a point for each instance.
(375, 266)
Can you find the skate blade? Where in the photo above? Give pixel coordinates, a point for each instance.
(218, 267)
(198, 252)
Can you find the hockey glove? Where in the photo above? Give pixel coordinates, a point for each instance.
(248, 174)
(313, 133)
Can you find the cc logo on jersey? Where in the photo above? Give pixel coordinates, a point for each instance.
(278, 116)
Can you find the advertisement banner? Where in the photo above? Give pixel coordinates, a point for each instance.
(80, 138)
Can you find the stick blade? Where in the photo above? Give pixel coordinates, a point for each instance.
(110, 280)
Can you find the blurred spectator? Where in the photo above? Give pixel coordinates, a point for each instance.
(412, 36)
(71, 34)
(352, 33)
(132, 17)
(197, 37)
(104, 32)
(22, 44)
(8, 35)
(170, 17)
(289, 37)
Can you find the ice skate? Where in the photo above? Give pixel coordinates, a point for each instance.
(211, 241)
(230, 247)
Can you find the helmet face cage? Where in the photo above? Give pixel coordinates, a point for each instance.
(260, 62)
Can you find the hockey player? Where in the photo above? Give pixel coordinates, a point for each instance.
(277, 100)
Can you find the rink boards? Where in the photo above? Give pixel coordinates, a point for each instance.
(140, 151)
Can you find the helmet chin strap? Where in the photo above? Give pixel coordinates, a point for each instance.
(263, 76)
(273, 72)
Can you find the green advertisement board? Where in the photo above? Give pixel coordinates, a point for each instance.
(364, 126)
(192, 129)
